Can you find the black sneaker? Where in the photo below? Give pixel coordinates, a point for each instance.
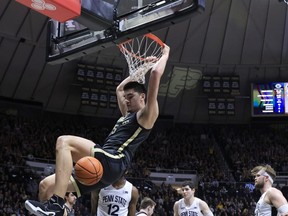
(44, 209)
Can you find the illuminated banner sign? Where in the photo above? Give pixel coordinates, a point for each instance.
(270, 99)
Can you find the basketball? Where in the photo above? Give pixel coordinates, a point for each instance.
(88, 170)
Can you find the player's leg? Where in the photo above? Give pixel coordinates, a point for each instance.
(46, 192)
(46, 188)
(68, 149)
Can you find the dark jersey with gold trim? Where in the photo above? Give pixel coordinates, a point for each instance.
(126, 136)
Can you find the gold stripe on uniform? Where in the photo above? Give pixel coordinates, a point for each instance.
(77, 190)
(118, 156)
(130, 139)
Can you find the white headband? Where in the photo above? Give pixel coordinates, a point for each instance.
(264, 173)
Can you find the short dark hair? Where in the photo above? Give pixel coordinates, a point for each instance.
(146, 202)
(67, 194)
(190, 183)
(136, 86)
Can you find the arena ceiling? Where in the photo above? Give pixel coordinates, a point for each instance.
(246, 38)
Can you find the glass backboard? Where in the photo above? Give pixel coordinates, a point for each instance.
(104, 23)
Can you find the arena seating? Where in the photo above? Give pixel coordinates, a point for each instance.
(222, 157)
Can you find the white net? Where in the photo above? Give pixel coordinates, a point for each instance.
(141, 54)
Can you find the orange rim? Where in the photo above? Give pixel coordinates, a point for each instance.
(149, 35)
(155, 38)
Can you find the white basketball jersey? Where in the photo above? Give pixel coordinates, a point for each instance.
(263, 208)
(114, 201)
(192, 210)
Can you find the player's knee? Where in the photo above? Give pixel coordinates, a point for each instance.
(62, 142)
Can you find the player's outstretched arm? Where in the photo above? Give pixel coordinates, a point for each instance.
(120, 96)
(150, 113)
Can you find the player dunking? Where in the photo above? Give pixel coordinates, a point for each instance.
(270, 196)
(139, 113)
(120, 198)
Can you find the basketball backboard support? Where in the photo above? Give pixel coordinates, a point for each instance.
(113, 23)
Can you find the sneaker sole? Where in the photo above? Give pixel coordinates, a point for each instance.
(36, 210)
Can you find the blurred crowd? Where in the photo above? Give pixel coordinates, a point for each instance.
(221, 155)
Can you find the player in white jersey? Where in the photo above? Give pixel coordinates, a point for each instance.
(270, 196)
(120, 199)
(190, 205)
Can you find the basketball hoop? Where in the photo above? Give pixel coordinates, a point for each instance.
(141, 54)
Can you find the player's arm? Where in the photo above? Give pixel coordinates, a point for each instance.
(120, 96)
(133, 202)
(149, 114)
(94, 201)
(278, 201)
(175, 208)
(205, 208)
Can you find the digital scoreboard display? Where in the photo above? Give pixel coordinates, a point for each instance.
(270, 99)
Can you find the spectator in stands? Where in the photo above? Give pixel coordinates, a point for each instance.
(21, 136)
